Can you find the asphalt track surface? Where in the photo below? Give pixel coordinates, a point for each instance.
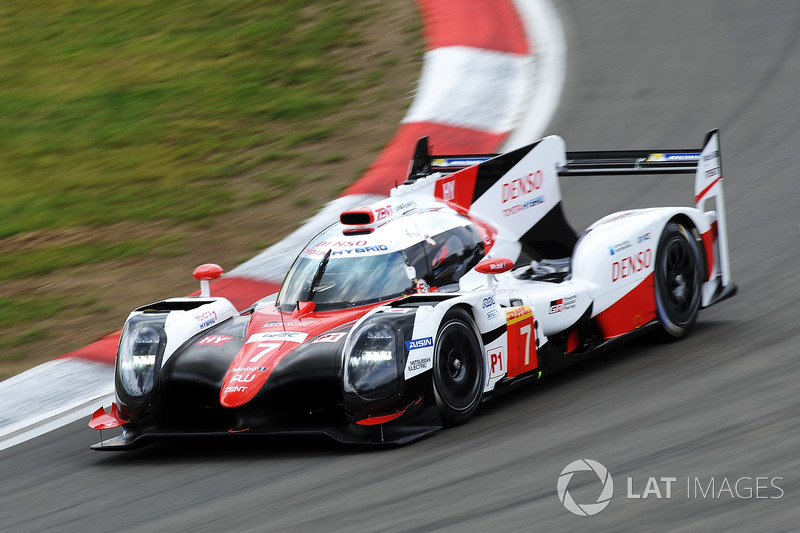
(722, 404)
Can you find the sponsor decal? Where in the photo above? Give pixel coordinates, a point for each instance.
(366, 249)
(419, 343)
(292, 322)
(643, 237)
(340, 244)
(285, 336)
(522, 186)
(449, 190)
(206, 319)
(664, 158)
(533, 202)
(239, 369)
(457, 162)
(518, 314)
(383, 212)
(494, 313)
(712, 172)
(216, 340)
(239, 378)
(627, 266)
(401, 310)
(329, 337)
(418, 364)
(563, 304)
(234, 389)
(617, 248)
(711, 155)
(488, 302)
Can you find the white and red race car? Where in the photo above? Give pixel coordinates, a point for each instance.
(404, 315)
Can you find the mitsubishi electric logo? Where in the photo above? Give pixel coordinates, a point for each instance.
(586, 509)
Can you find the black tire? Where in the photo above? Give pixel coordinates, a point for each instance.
(677, 281)
(458, 368)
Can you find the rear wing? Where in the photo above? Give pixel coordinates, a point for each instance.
(705, 163)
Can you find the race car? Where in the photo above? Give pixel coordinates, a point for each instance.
(403, 316)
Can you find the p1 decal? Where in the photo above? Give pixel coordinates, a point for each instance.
(521, 341)
(497, 365)
(329, 337)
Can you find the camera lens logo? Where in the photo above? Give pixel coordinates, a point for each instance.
(586, 509)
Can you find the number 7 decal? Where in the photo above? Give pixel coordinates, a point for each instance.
(521, 341)
(268, 347)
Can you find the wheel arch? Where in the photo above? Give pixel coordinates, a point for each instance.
(693, 229)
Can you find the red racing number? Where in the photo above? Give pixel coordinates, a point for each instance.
(521, 341)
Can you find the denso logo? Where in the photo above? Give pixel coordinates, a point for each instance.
(521, 186)
(339, 244)
(627, 266)
(419, 343)
(488, 302)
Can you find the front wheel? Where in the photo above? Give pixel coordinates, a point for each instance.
(458, 368)
(677, 281)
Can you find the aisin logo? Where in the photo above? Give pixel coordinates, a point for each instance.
(587, 509)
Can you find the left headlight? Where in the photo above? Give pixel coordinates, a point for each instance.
(372, 365)
(141, 349)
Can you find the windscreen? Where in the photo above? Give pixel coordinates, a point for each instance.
(334, 282)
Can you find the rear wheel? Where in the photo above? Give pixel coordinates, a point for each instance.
(457, 368)
(677, 281)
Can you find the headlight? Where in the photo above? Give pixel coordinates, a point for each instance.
(372, 366)
(139, 357)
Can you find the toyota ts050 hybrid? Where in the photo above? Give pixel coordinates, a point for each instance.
(404, 315)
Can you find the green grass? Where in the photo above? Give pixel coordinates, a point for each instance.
(129, 105)
(124, 112)
(38, 261)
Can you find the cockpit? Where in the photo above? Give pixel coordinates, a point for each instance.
(340, 268)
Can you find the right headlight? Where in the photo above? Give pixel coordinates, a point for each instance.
(372, 362)
(141, 349)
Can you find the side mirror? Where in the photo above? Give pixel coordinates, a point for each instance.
(205, 274)
(494, 265)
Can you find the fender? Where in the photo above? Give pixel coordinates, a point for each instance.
(616, 253)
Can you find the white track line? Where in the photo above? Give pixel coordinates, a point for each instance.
(544, 30)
